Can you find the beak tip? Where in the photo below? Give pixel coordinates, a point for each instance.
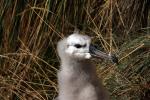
(114, 59)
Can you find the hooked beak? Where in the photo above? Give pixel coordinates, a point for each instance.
(99, 54)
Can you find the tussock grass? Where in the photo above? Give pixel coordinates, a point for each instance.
(30, 29)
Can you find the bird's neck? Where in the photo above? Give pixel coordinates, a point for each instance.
(77, 65)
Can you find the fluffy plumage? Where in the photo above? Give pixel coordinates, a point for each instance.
(77, 75)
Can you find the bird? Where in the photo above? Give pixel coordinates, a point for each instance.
(77, 79)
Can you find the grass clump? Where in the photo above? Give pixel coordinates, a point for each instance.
(30, 29)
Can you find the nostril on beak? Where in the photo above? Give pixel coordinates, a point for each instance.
(99, 54)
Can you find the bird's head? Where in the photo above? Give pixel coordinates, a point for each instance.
(78, 46)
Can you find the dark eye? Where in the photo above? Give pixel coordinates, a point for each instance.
(78, 45)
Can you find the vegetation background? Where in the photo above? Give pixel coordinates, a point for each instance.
(30, 30)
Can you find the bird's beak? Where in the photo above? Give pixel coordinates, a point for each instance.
(99, 54)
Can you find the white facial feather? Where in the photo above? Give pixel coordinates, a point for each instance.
(74, 39)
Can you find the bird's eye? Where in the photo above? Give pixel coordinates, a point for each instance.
(78, 45)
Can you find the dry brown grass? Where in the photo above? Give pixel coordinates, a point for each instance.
(30, 29)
